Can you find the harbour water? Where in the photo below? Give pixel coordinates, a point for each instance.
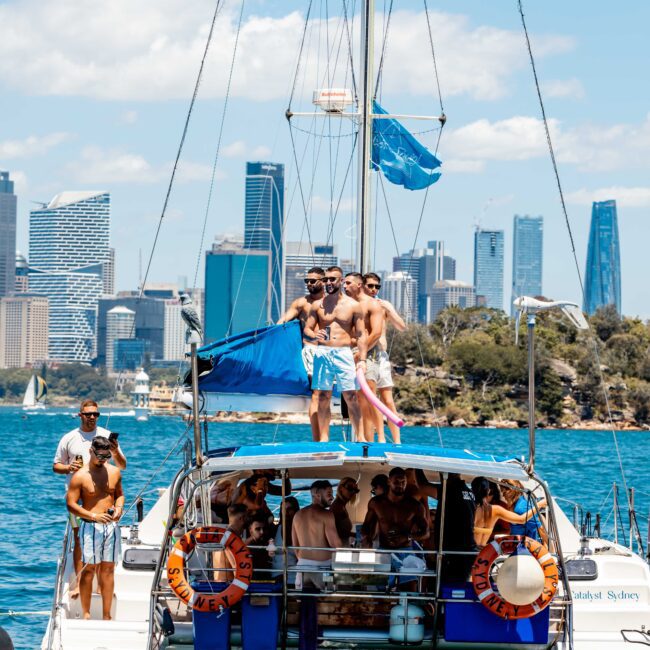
(579, 466)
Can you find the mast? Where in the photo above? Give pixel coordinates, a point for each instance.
(363, 208)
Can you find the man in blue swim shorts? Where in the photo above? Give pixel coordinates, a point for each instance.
(333, 323)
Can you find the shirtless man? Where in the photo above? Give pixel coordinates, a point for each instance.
(98, 486)
(345, 493)
(399, 517)
(252, 493)
(373, 319)
(333, 323)
(315, 526)
(379, 375)
(299, 309)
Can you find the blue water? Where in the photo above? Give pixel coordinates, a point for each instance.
(578, 465)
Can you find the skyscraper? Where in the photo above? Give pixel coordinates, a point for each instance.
(23, 330)
(264, 222)
(488, 266)
(448, 268)
(236, 289)
(603, 276)
(300, 257)
(8, 204)
(68, 251)
(526, 257)
(22, 273)
(120, 324)
(174, 343)
(400, 289)
(447, 293)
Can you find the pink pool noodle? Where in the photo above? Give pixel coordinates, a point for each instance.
(372, 398)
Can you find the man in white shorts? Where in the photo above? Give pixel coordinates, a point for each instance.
(333, 323)
(299, 309)
(98, 486)
(75, 444)
(379, 371)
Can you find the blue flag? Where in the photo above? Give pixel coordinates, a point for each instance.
(400, 156)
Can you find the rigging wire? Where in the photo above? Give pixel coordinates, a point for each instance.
(567, 222)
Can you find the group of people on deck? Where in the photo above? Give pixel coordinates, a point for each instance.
(344, 329)
(398, 518)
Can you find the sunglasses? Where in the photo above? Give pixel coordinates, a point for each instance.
(331, 278)
(311, 281)
(93, 414)
(374, 286)
(103, 455)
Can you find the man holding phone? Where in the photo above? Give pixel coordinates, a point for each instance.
(73, 452)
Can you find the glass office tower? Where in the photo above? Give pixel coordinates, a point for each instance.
(526, 257)
(488, 266)
(8, 204)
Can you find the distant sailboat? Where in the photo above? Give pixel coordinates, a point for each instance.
(35, 394)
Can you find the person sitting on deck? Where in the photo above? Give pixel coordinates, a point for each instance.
(488, 514)
(345, 493)
(299, 309)
(252, 493)
(314, 527)
(520, 503)
(257, 537)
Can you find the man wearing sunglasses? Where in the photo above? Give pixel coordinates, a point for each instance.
(76, 444)
(333, 323)
(379, 373)
(299, 309)
(98, 486)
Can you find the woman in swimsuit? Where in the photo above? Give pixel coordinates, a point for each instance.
(487, 514)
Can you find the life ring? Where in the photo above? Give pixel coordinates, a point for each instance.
(491, 598)
(233, 592)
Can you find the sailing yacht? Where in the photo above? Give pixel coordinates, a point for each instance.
(175, 589)
(35, 393)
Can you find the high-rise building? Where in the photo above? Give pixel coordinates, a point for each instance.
(264, 223)
(488, 266)
(109, 273)
(149, 322)
(603, 276)
(174, 342)
(22, 273)
(400, 289)
(68, 254)
(448, 268)
(236, 289)
(447, 293)
(299, 258)
(8, 203)
(130, 354)
(23, 330)
(120, 324)
(526, 257)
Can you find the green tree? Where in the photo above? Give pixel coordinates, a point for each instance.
(605, 322)
(413, 346)
(549, 394)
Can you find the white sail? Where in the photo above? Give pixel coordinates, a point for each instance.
(30, 394)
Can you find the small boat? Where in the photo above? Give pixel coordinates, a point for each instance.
(34, 399)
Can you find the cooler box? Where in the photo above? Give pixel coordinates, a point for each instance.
(260, 616)
(475, 622)
(211, 629)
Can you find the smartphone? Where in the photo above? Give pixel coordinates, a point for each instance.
(113, 436)
(111, 511)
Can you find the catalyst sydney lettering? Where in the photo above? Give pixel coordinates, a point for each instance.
(610, 595)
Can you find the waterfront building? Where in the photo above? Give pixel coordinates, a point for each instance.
(448, 293)
(8, 205)
(527, 246)
(23, 330)
(264, 223)
(603, 274)
(448, 268)
(174, 332)
(68, 256)
(299, 258)
(120, 324)
(236, 289)
(149, 322)
(400, 289)
(22, 274)
(130, 354)
(488, 266)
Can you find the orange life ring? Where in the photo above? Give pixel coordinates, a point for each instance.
(491, 598)
(235, 590)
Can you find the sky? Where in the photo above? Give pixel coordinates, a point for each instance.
(95, 96)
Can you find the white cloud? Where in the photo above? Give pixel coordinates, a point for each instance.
(323, 205)
(260, 153)
(33, 145)
(236, 149)
(100, 166)
(20, 182)
(626, 197)
(571, 88)
(150, 50)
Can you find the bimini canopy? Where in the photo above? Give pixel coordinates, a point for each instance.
(266, 361)
(335, 454)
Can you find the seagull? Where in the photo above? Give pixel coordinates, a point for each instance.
(194, 333)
